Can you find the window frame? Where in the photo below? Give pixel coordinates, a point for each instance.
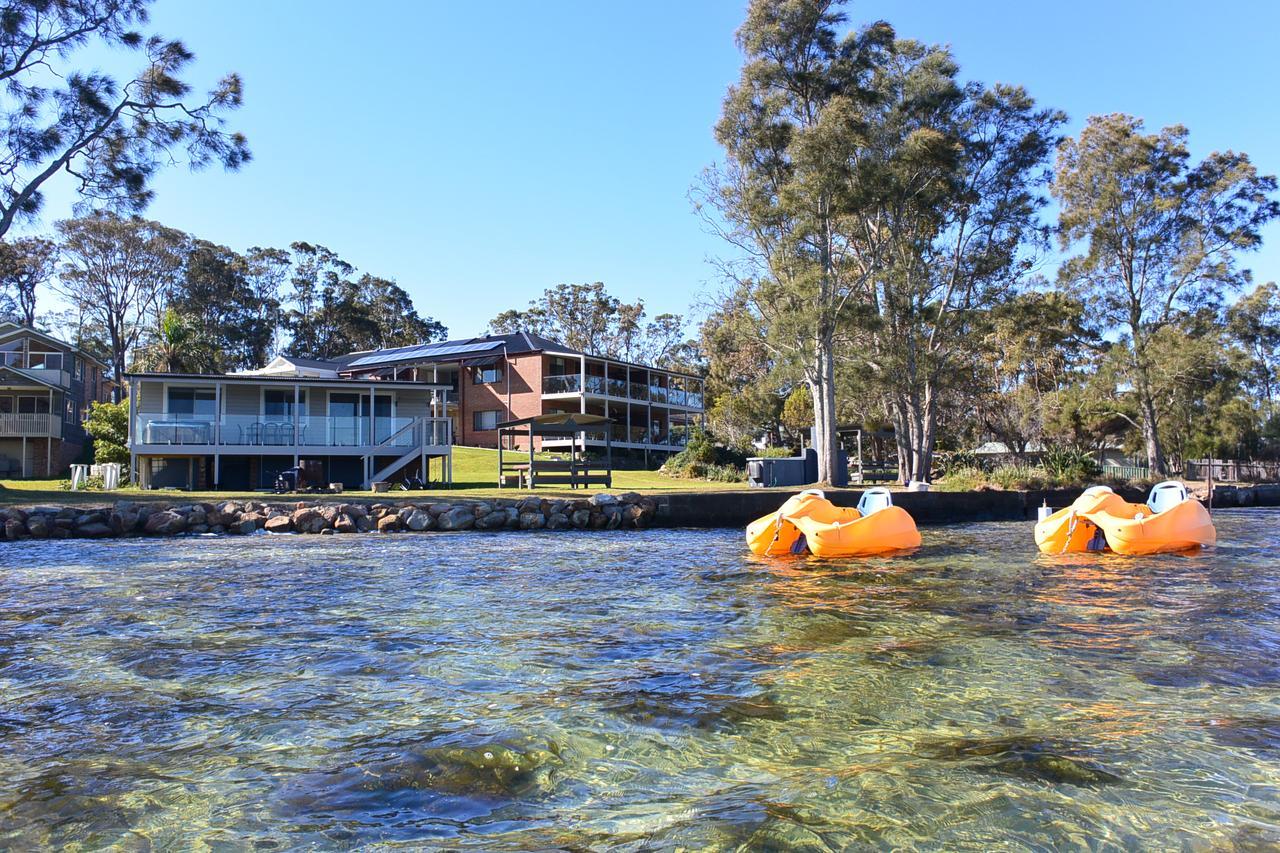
(475, 420)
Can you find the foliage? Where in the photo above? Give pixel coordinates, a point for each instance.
(108, 423)
(962, 479)
(330, 314)
(118, 274)
(25, 264)
(588, 318)
(703, 459)
(797, 410)
(110, 136)
(1069, 464)
(1159, 237)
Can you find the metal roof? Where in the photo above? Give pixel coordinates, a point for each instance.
(558, 423)
(387, 356)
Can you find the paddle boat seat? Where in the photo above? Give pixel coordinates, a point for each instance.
(874, 500)
(1166, 495)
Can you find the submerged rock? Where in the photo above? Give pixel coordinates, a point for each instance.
(1022, 755)
(1260, 734)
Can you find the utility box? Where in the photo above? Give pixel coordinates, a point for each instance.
(764, 472)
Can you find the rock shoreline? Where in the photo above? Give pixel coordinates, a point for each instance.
(145, 518)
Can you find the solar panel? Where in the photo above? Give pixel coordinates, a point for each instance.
(422, 351)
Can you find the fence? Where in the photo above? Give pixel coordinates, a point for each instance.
(1233, 471)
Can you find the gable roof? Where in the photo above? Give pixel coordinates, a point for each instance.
(8, 328)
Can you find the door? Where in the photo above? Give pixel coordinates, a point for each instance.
(349, 417)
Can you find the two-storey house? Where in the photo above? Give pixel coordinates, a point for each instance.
(46, 386)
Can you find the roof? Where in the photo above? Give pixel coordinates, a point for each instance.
(8, 327)
(558, 423)
(514, 343)
(286, 380)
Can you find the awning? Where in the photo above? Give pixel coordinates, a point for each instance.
(558, 423)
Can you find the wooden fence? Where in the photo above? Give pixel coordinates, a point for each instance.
(1233, 471)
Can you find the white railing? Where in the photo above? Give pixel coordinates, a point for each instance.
(30, 425)
(271, 431)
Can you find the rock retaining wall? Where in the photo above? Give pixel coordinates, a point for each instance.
(145, 518)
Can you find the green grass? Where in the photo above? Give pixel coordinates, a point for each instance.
(475, 475)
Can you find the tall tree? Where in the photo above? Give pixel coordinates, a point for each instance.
(1254, 322)
(1160, 236)
(109, 137)
(960, 213)
(587, 317)
(316, 270)
(26, 264)
(395, 320)
(119, 273)
(799, 186)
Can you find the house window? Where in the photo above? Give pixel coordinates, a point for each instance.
(487, 375)
(72, 412)
(483, 421)
(278, 402)
(33, 405)
(44, 361)
(77, 366)
(196, 402)
(6, 405)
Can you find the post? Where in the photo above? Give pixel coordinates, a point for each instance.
(48, 440)
(532, 480)
(295, 424)
(24, 456)
(608, 457)
(1210, 484)
(373, 400)
(582, 391)
(217, 434)
(500, 477)
(134, 475)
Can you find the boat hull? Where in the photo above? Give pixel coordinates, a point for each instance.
(811, 523)
(1125, 528)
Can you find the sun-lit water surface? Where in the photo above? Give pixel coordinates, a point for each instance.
(634, 691)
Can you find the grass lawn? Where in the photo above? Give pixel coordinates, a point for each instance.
(475, 473)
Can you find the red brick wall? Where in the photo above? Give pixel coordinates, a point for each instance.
(525, 374)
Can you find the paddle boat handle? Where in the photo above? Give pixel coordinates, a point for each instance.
(817, 492)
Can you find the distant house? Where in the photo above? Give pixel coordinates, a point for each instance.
(382, 414)
(46, 386)
(498, 378)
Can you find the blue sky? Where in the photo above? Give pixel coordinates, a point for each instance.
(479, 154)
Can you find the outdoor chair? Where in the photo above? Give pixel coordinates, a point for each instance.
(1166, 495)
(874, 500)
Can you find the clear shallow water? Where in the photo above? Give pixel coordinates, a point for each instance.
(651, 690)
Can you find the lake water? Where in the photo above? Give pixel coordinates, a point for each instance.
(638, 691)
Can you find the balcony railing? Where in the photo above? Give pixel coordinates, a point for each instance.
(572, 383)
(30, 426)
(569, 383)
(269, 431)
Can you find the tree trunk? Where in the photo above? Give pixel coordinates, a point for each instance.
(1151, 436)
(902, 438)
(822, 387)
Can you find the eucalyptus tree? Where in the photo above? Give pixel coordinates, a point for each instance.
(1254, 323)
(26, 264)
(108, 136)
(119, 273)
(1157, 238)
(961, 217)
(797, 192)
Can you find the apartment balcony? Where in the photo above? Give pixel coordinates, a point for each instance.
(624, 438)
(30, 426)
(572, 384)
(261, 434)
(47, 367)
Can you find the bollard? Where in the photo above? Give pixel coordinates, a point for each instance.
(1043, 512)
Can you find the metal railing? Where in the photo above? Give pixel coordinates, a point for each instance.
(572, 383)
(282, 431)
(1233, 470)
(30, 425)
(569, 383)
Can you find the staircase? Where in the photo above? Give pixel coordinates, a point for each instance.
(420, 435)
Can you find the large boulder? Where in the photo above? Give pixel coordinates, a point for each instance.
(529, 504)
(557, 520)
(38, 526)
(580, 518)
(309, 520)
(245, 525)
(344, 524)
(419, 519)
(457, 518)
(166, 523)
(603, 499)
(492, 520)
(634, 515)
(15, 529)
(389, 523)
(532, 520)
(278, 524)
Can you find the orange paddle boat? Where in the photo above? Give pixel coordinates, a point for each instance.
(810, 522)
(1101, 520)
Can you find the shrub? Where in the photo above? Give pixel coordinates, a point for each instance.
(1018, 477)
(962, 480)
(958, 460)
(725, 474)
(108, 423)
(1070, 465)
(776, 453)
